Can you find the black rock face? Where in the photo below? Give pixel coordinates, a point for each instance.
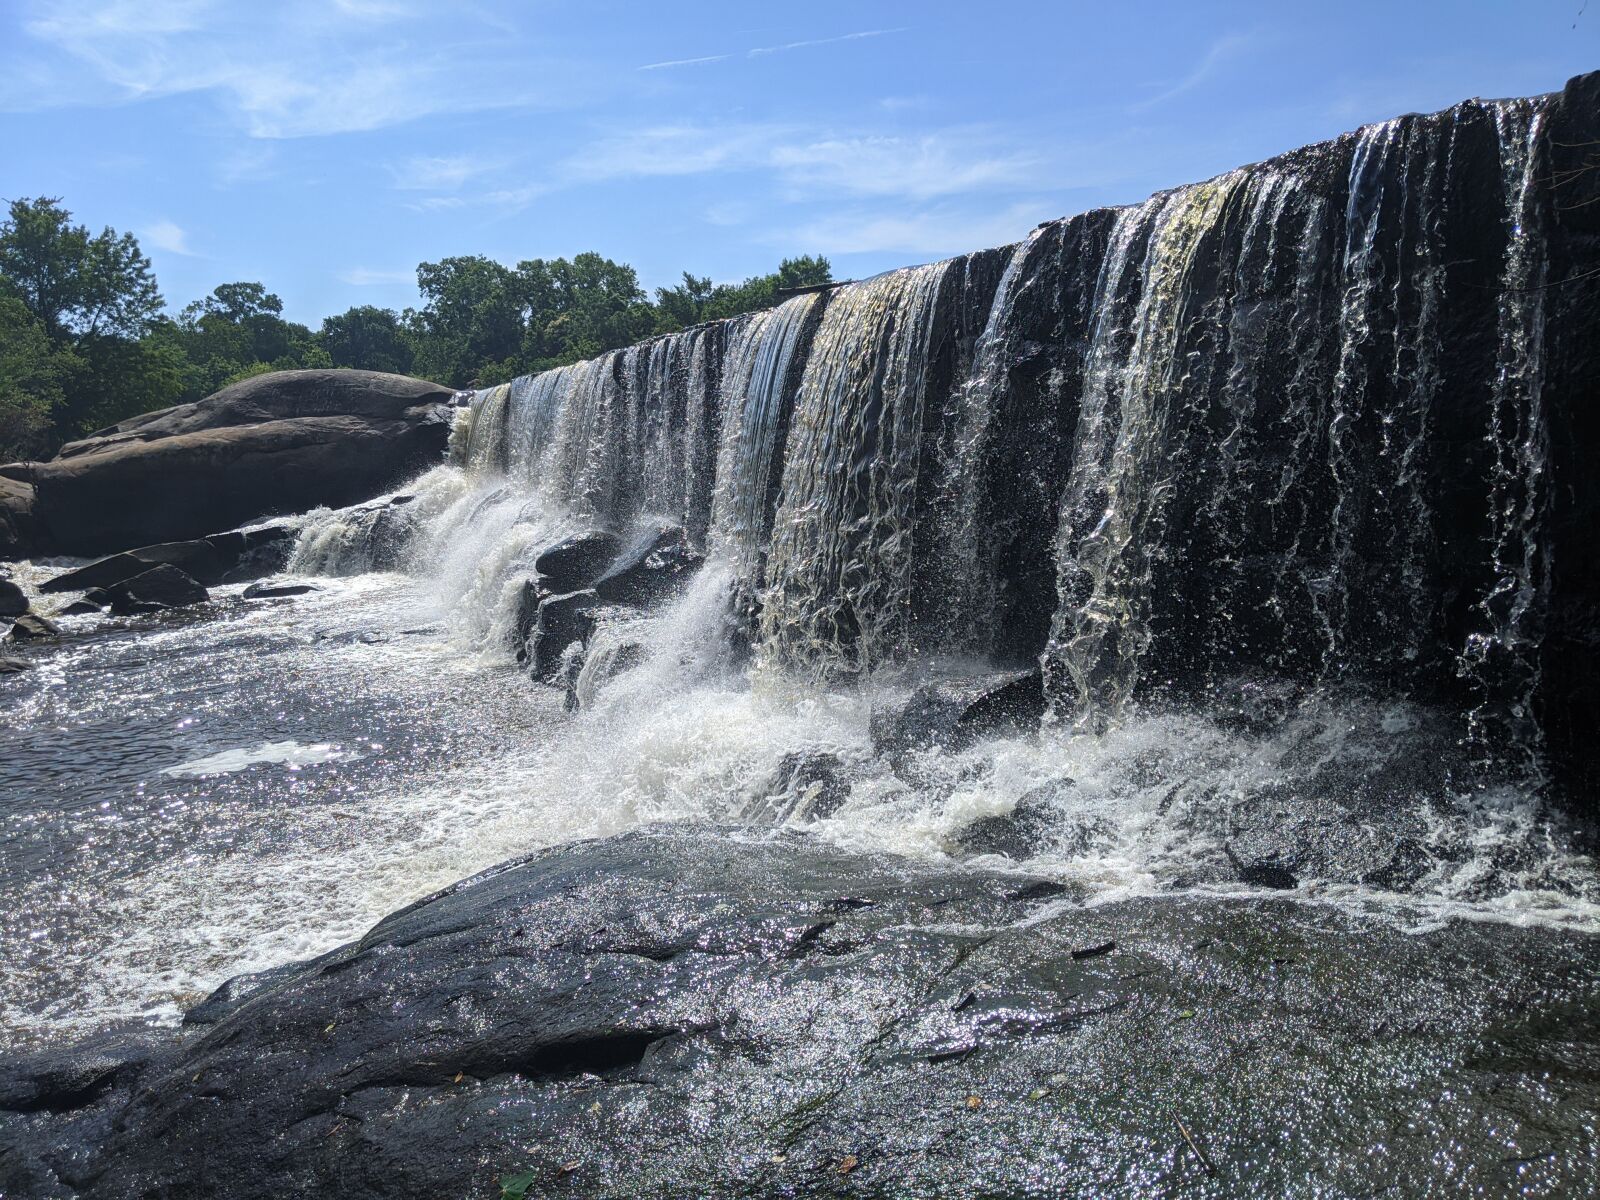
(157, 588)
(698, 1012)
(13, 600)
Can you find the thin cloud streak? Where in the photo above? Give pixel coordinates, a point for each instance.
(685, 62)
(763, 51)
(1219, 52)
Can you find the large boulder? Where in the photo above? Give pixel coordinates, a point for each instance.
(18, 531)
(274, 444)
(232, 557)
(698, 1012)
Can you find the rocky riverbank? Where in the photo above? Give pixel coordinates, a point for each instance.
(714, 1012)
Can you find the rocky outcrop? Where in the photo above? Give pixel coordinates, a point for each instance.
(18, 531)
(159, 588)
(232, 557)
(699, 1012)
(275, 444)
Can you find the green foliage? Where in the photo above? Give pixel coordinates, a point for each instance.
(515, 1187)
(75, 284)
(31, 374)
(84, 342)
(372, 339)
(696, 300)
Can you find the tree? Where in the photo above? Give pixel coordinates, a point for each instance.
(238, 331)
(695, 300)
(367, 338)
(471, 318)
(75, 284)
(31, 373)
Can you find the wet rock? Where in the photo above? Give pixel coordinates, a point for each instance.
(270, 591)
(31, 627)
(14, 666)
(13, 600)
(79, 608)
(806, 785)
(654, 562)
(19, 531)
(1263, 872)
(608, 654)
(561, 622)
(955, 713)
(574, 563)
(1024, 831)
(225, 557)
(155, 590)
(666, 1007)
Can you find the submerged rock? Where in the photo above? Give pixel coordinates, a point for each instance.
(1021, 833)
(955, 713)
(576, 562)
(158, 588)
(14, 666)
(691, 1011)
(269, 591)
(31, 627)
(805, 785)
(655, 561)
(13, 600)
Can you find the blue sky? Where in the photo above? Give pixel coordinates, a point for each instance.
(325, 148)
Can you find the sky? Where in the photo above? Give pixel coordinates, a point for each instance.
(325, 147)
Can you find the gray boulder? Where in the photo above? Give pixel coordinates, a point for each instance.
(280, 443)
(690, 1011)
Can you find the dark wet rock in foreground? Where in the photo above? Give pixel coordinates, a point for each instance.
(692, 1011)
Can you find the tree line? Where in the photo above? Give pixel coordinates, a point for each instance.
(86, 339)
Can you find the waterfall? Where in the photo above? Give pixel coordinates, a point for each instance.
(839, 572)
(1123, 474)
(749, 462)
(1287, 423)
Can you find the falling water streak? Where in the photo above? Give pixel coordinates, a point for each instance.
(1363, 269)
(755, 371)
(838, 598)
(968, 606)
(1502, 660)
(1120, 480)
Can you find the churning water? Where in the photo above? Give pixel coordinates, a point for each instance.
(1202, 462)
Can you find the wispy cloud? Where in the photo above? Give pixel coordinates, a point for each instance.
(686, 62)
(425, 173)
(372, 277)
(827, 41)
(1217, 54)
(165, 235)
(763, 51)
(934, 233)
(296, 68)
(937, 163)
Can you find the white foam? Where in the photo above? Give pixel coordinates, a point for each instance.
(290, 754)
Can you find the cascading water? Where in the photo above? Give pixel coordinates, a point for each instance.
(1276, 490)
(839, 571)
(1269, 454)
